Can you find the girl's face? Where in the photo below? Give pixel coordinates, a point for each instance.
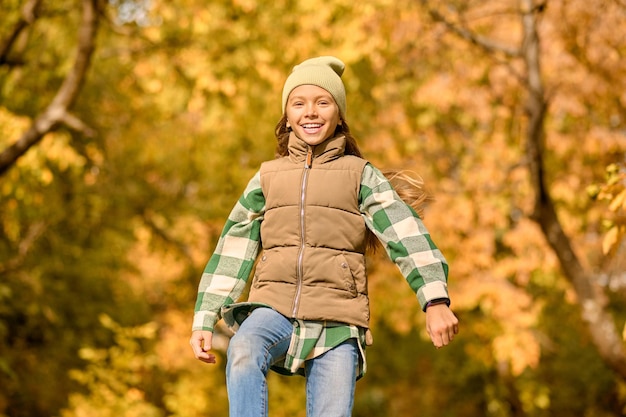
(312, 114)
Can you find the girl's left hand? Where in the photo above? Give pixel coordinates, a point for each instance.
(441, 324)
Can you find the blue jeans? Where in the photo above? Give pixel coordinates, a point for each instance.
(262, 341)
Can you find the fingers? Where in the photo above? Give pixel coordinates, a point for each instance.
(203, 355)
(441, 325)
(201, 345)
(442, 338)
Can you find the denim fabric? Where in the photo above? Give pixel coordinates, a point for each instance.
(330, 381)
(262, 341)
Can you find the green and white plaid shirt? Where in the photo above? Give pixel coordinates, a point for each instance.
(402, 233)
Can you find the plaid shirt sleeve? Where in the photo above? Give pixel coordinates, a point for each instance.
(404, 237)
(225, 275)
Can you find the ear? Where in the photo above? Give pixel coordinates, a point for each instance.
(288, 125)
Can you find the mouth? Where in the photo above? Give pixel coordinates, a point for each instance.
(311, 127)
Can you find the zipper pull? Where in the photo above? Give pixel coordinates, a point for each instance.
(309, 158)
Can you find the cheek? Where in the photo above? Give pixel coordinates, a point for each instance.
(333, 125)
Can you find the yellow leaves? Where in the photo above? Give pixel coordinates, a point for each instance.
(618, 202)
(519, 349)
(514, 342)
(113, 376)
(248, 6)
(25, 185)
(612, 191)
(617, 230)
(56, 149)
(391, 299)
(149, 74)
(498, 289)
(11, 126)
(612, 238)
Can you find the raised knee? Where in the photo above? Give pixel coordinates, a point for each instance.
(244, 352)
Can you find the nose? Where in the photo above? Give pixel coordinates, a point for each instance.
(311, 110)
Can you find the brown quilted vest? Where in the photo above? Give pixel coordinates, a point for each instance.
(313, 236)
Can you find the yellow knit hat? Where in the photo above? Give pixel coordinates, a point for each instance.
(324, 72)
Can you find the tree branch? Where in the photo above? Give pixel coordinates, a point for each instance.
(57, 112)
(487, 45)
(29, 14)
(163, 235)
(32, 234)
(482, 42)
(78, 125)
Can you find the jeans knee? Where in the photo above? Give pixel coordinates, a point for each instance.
(244, 354)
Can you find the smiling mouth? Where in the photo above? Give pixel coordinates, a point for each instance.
(312, 126)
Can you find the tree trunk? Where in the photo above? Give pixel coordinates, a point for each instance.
(593, 301)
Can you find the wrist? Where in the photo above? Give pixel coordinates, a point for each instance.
(437, 301)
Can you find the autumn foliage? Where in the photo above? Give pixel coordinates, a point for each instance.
(128, 129)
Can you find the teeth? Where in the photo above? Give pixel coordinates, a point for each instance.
(311, 126)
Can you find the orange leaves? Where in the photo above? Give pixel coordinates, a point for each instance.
(613, 192)
(612, 238)
(619, 201)
(519, 348)
(513, 339)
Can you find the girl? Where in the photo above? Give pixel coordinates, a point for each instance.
(311, 213)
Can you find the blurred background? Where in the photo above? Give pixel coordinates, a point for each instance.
(128, 129)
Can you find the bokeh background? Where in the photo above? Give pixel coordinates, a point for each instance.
(128, 129)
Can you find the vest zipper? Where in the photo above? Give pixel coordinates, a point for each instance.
(300, 266)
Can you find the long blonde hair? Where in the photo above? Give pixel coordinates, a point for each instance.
(408, 185)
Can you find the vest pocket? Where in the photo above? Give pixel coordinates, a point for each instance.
(273, 266)
(346, 275)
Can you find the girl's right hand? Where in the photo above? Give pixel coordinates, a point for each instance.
(201, 344)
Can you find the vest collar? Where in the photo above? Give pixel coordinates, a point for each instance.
(331, 148)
